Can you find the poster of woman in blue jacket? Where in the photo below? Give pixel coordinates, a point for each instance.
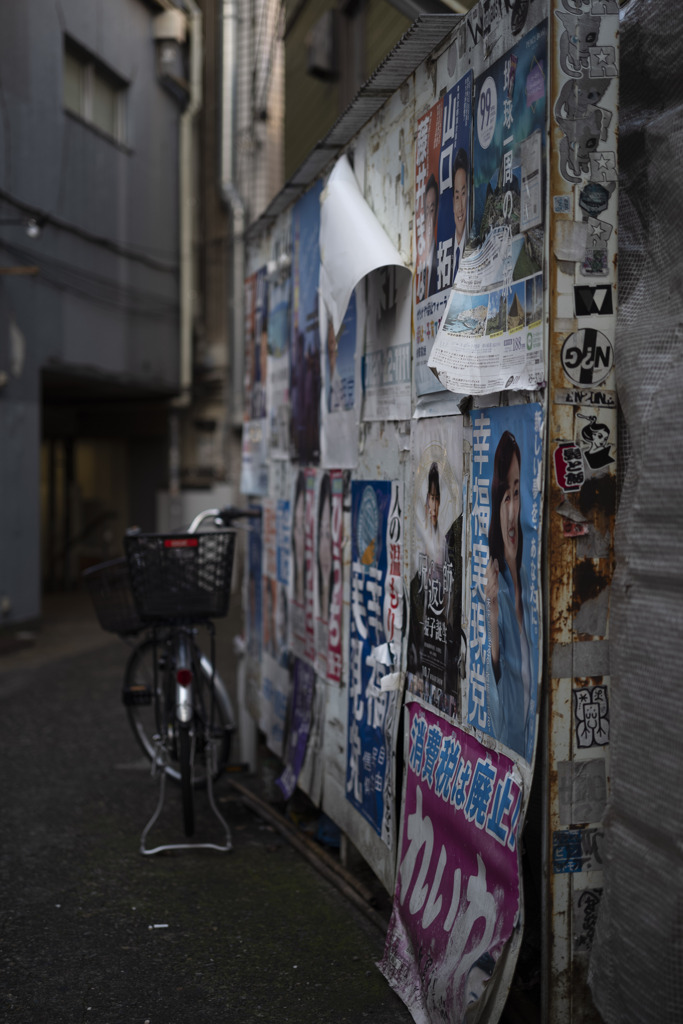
(504, 624)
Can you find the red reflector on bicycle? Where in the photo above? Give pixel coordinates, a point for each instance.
(184, 676)
(181, 542)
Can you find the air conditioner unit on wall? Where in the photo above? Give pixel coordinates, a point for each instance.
(170, 33)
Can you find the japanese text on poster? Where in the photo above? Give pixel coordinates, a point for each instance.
(457, 896)
(434, 639)
(442, 213)
(375, 632)
(491, 334)
(504, 635)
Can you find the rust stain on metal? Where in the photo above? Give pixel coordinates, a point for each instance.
(585, 682)
(560, 551)
(554, 786)
(599, 493)
(557, 374)
(598, 501)
(560, 618)
(589, 582)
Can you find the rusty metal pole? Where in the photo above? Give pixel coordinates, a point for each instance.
(581, 487)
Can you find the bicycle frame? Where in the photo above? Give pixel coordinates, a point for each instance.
(183, 674)
(179, 582)
(176, 707)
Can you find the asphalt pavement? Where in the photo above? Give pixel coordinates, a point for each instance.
(92, 931)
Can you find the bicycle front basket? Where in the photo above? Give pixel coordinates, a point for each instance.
(109, 587)
(181, 575)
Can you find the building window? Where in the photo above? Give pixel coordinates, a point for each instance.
(93, 92)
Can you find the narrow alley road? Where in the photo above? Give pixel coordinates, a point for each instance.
(93, 931)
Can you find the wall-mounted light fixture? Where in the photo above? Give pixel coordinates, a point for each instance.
(33, 226)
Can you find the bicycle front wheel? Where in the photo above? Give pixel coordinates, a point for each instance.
(186, 783)
(142, 717)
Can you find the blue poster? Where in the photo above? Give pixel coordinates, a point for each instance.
(504, 635)
(375, 633)
(443, 212)
(304, 374)
(299, 725)
(509, 139)
(491, 334)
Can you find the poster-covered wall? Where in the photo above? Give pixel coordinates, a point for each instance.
(402, 518)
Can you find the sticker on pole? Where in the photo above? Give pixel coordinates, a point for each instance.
(569, 471)
(587, 357)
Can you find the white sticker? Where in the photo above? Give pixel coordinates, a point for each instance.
(486, 113)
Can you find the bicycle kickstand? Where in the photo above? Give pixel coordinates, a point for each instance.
(158, 765)
(211, 761)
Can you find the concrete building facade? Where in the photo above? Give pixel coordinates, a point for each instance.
(89, 289)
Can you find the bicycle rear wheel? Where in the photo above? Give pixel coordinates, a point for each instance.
(186, 783)
(139, 677)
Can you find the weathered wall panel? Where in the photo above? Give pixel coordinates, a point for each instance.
(541, 240)
(581, 486)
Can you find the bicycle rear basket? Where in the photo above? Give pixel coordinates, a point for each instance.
(109, 587)
(181, 575)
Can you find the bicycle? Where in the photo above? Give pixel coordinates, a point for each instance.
(168, 586)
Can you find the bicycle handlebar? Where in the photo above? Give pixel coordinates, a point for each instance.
(219, 515)
(223, 515)
(229, 513)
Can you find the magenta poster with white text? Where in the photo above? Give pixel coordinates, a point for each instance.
(457, 896)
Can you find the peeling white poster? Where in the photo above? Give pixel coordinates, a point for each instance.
(386, 363)
(341, 388)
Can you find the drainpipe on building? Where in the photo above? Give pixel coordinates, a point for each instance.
(234, 391)
(186, 217)
(188, 202)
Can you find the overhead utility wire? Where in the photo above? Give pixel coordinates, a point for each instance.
(66, 277)
(105, 243)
